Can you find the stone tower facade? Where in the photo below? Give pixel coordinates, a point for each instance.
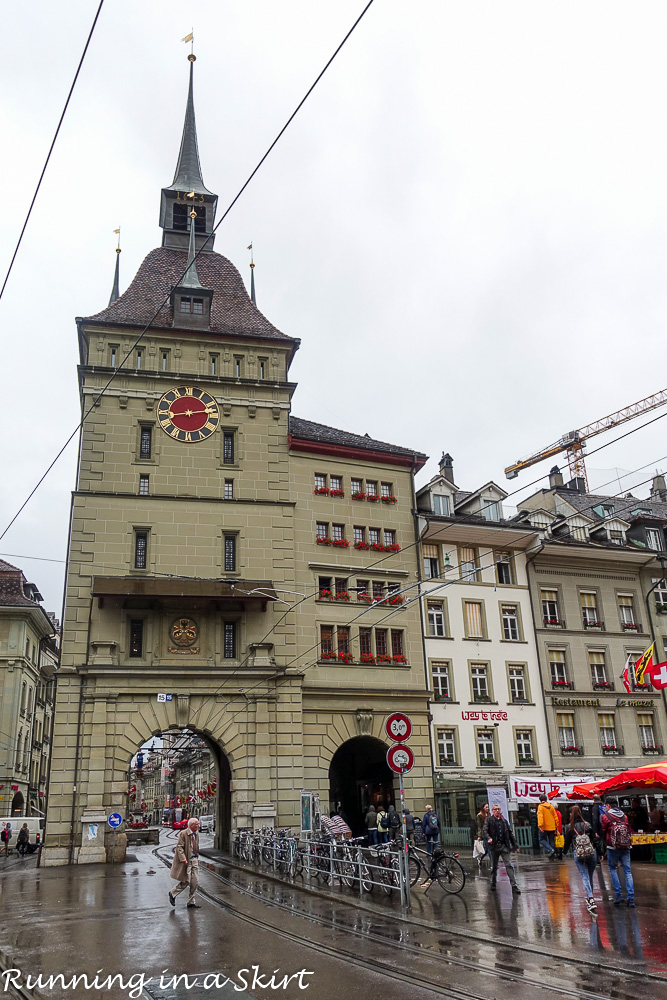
(214, 584)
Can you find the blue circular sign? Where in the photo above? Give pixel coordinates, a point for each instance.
(115, 819)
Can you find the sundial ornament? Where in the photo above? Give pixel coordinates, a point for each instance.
(184, 633)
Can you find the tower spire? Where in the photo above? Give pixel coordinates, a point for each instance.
(188, 168)
(115, 291)
(252, 276)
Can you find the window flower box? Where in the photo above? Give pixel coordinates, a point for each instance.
(603, 686)
(530, 761)
(361, 545)
(341, 595)
(392, 548)
(642, 686)
(340, 543)
(358, 495)
(442, 698)
(630, 626)
(399, 658)
(573, 751)
(365, 598)
(660, 608)
(345, 657)
(488, 760)
(562, 684)
(480, 699)
(389, 499)
(395, 599)
(324, 595)
(383, 658)
(372, 497)
(336, 493)
(323, 540)
(328, 654)
(377, 547)
(321, 491)
(609, 750)
(555, 622)
(367, 658)
(447, 762)
(650, 751)
(596, 624)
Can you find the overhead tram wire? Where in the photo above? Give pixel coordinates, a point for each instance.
(164, 301)
(51, 147)
(393, 611)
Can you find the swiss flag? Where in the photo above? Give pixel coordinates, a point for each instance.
(657, 674)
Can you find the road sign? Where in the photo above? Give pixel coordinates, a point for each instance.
(114, 821)
(400, 758)
(398, 727)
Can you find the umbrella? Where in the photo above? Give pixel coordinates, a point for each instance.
(647, 776)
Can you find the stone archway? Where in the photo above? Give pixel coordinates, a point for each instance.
(18, 805)
(359, 775)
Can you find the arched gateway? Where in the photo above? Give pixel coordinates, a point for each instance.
(211, 584)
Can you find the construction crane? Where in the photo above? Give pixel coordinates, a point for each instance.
(573, 442)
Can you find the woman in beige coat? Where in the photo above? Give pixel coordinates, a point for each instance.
(185, 869)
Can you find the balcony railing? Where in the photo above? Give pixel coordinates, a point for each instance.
(612, 751)
(603, 685)
(656, 751)
(558, 685)
(599, 626)
(572, 751)
(631, 627)
(554, 622)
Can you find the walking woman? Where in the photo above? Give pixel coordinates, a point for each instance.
(579, 837)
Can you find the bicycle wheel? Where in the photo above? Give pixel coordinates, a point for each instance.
(267, 855)
(345, 869)
(414, 870)
(450, 874)
(366, 878)
(296, 864)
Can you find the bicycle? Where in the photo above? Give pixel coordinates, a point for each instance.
(346, 865)
(387, 858)
(440, 867)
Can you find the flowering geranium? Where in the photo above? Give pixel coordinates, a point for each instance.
(341, 543)
(552, 621)
(361, 545)
(366, 598)
(395, 547)
(346, 657)
(367, 658)
(358, 495)
(341, 595)
(373, 497)
(321, 491)
(336, 493)
(395, 599)
(602, 684)
(564, 684)
(328, 654)
(383, 658)
(630, 626)
(388, 498)
(399, 658)
(324, 594)
(323, 540)
(377, 547)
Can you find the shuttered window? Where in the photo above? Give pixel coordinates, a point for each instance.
(473, 619)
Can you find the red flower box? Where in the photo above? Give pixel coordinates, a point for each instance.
(383, 658)
(341, 595)
(336, 493)
(389, 499)
(361, 545)
(346, 657)
(324, 595)
(366, 598)
(359, 495)
(367, 658)
(372, 497)
(340, 543)
(399, 658)
(323, 540)
(395, 599)
(392, 548)
(328, 654)
(321, 491)
(377, 547)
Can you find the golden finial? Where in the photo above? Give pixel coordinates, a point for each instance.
(252, 259)
(191, 38)
(117, 231)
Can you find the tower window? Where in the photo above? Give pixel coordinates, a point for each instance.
(137, 637)
(214, 358)
(113, 355)
(146, 442)
(229, 489)
(228, 448)
(230, 553)
(180, 217)
(186, 305)
(140, 355)
(140, 549)
(238, 369)
(143, 485)
(165, 360)
(262, 367)
(230, 641)
(198, 306)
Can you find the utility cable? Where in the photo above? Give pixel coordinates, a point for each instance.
(98, 396)
(53, 142)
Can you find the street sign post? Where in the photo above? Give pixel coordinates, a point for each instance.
(398, 727)
(400, 759)
(114, 821)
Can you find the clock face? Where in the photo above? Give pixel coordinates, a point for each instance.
(188, 414)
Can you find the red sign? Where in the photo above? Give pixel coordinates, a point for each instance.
(398, 727)
(400, 758)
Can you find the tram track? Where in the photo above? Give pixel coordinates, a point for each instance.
(499, 971)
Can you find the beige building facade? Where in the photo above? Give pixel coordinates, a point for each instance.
(206, 521)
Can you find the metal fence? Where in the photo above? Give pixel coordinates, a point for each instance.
(456, 836)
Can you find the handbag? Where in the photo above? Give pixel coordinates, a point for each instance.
(559, 841)
(478, 849)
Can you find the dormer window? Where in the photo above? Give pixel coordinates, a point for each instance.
(198, 306)
(186, 305)
(490, 510)
(440, 504)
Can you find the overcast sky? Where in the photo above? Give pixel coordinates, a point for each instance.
(466, 224)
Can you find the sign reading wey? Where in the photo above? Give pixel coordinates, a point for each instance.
(184, 632)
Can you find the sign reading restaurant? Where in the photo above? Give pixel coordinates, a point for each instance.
(595, 702)
(527, 789)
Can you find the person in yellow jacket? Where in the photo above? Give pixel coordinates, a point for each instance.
(547, 823)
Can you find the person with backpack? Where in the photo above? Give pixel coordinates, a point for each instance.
(383, 825)
(372, 825)
(431, 828)
(394, 822)
(547, 824)
(4, 838)
(579, 836)
(23, 839)
(409, 821)
(618, 835)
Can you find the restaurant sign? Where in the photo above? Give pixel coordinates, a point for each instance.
(529, 789)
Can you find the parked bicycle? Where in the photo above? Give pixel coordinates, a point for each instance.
(440, 867)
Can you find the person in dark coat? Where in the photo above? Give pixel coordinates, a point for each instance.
(409, 821)
(394, 822)
(431, 828)
(499, 836)
(23, 839)
(372, 825)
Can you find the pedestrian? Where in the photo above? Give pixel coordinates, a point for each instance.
(383, 825)
(498, 833)
(431, 828)
(394, 822)
(597, 812)
(579, 837)
(23, 839)
(546, 822)
(4, 839)
(185, 868)
(482, 817)
(409, 821)
(372, 825)
(618, 835)
(559, 839)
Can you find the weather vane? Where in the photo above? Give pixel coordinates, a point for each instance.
(191, 38)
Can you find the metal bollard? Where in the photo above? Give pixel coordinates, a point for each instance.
(331, 864)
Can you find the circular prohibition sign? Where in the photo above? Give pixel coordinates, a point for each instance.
(398, 727)
(400, 758)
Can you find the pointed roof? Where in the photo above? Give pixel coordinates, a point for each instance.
(188, 169)
(115, 291)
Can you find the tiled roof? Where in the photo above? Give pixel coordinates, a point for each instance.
(623, 506)
(11, 587)
(232, 311)
(5, 566)
(309, 431)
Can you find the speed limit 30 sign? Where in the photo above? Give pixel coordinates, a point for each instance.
(398, 727)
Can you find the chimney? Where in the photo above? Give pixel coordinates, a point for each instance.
(578, 484)
(658, 488)
(447, 467)
(555, 477)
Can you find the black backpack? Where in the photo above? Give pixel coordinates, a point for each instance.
(394, 820)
